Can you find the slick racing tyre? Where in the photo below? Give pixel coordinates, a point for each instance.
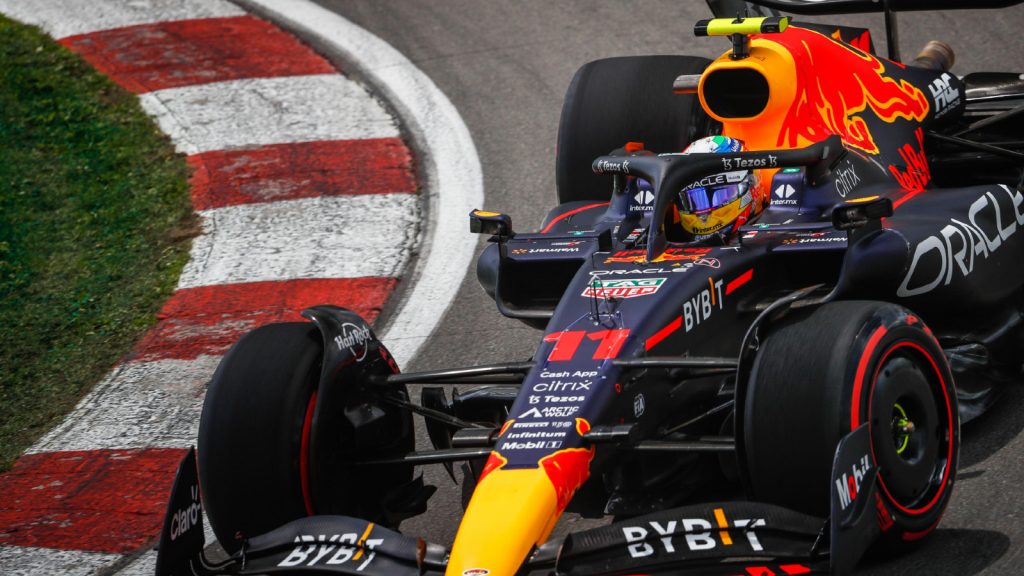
(819, 376)
(618, 100)
(257, 470)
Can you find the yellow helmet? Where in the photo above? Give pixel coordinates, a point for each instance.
(720, 203)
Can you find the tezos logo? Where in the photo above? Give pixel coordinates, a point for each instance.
(355, 338)
(611, 166)
(737, 163)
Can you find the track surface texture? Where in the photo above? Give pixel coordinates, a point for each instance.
(506, 67)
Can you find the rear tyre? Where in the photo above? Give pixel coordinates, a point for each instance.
(819, 376)
(618, 100)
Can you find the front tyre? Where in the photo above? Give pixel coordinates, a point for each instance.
(275, 446)
(820, 376)
(251, 431)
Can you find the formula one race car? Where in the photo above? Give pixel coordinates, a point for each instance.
(802, 348)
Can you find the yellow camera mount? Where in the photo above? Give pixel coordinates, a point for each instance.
(740, 29)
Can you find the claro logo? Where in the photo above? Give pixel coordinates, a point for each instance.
(695, 534)
(955, 248)
(183, 520)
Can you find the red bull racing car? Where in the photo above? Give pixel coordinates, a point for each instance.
(772, 391)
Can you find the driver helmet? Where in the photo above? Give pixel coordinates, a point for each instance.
(719, 204)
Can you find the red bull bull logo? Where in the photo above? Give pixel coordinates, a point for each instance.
(835, 85)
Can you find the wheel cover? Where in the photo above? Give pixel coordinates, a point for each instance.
(911, 422)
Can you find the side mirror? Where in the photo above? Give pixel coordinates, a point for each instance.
(860, 212)
(494, 223)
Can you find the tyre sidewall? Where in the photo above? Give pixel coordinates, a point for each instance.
(250, 431)
(896, 329)
(811, 384)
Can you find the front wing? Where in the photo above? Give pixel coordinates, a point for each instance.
(729, 538)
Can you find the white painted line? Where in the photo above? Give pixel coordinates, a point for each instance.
(255, 112)
(138, 405)
(451, 168)
(62, 18)
(326, 237)
(27, 561)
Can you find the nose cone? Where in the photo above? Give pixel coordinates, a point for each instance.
(510, 512)
(513, 510)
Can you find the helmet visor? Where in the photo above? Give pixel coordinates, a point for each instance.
(701, 199)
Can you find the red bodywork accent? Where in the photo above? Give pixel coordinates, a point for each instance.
(830, 98)
(494, 462)
(567, 469)
(566, 344)
(862, 42)
(565, 215)
(917, 174)
(663, 333)
(739, 281)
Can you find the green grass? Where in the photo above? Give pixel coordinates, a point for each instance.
(95, 225)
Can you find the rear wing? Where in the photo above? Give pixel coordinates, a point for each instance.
(731, 8)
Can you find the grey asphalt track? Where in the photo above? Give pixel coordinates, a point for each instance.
(506, 66)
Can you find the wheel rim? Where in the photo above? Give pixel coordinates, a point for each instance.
(911, 424)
